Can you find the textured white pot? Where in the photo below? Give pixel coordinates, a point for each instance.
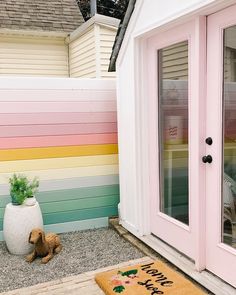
(17, 224)
(30, 201)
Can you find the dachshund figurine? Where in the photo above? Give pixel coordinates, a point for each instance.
(45, 245)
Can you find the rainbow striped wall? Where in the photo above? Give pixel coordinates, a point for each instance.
(64, 131)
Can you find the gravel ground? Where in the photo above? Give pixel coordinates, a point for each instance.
(82, 251)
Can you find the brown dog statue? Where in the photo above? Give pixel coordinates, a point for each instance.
(45, 245)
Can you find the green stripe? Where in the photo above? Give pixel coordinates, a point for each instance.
(4, 200)
(84, 214)
(70, 194)
(74, 204)
(101, 201)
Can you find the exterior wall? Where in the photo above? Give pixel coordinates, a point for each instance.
(82, 54)
(90, 48)
(107, 38)
(85, 53)
(63, 131)
(175, 62)
(33, 56)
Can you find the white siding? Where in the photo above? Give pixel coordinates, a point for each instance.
(89, 53)
(33, 56)
(83, 55)
(175, 62)
(107, 38)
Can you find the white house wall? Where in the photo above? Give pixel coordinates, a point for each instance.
(89, 53)
(33, 56)
(107, 38)
(82, 53)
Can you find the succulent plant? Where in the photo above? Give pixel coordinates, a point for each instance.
(21, 188)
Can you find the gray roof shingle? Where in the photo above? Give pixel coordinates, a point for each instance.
(41, 15)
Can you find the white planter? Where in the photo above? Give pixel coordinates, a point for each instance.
(30, 201)
(17, 224)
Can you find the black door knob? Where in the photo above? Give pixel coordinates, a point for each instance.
(209, 141)
(207, 159)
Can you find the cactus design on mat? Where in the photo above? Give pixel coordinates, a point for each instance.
(123, 279)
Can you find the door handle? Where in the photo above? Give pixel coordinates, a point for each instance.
(209, 141)
(207, 159)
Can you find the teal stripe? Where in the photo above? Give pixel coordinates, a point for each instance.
(4, 200)
(70, 183)
(78, 193)
(83, 214)
(70, 194)
(74, 204)
(101, 201)
(68, 205)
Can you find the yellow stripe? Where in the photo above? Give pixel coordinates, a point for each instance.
(66, 173)
(57, 152)
(46, 164)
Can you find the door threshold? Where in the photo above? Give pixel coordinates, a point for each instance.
(204, 278)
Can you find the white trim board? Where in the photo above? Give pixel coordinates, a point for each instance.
(205, 278)
(47, 83)
(96, 19)
(73, 226)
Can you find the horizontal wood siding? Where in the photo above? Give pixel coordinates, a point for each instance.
(107, 38)
(175, 62)
(31, 56)
(82, 56)
(70, 144)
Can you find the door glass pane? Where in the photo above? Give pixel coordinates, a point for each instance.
(229, 139)
(173, 130)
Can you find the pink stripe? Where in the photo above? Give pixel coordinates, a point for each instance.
(56, 118)
(46, 141)
(59, 106)
(60, 129)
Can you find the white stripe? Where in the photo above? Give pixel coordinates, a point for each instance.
(77, 182)
(66, 173)
(57, 163)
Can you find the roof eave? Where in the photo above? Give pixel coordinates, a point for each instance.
(33, 33)
(96, 19)
(120, 36)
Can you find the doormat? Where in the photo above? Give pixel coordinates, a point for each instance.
(146, 279)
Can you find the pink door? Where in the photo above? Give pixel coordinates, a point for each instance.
(174, 140)
(221, 127)
(192, 136)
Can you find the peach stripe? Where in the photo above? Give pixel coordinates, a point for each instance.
(56, 118)
(59, 106)
(57, 129)
(66, 140)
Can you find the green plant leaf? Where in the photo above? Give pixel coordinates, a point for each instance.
(119, 289)
(21, 187)
(129, 272)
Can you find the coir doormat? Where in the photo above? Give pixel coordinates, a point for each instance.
(146, 279)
